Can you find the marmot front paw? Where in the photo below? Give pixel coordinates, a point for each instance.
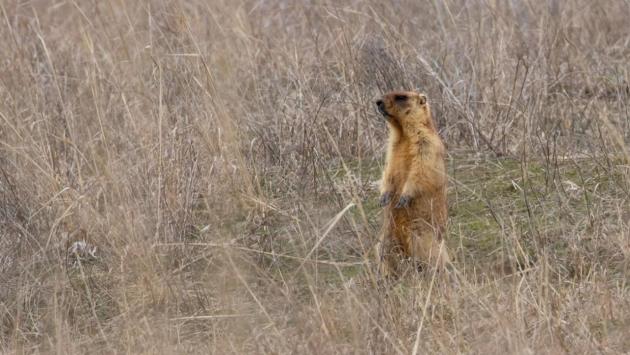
(385, 198)
(403, 202)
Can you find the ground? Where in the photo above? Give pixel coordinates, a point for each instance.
(201, 176)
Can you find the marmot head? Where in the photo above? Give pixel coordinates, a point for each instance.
(405, 109)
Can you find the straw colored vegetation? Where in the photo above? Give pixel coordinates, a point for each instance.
(201, 176)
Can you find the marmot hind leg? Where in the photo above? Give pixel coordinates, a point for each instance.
(426, 250)
(389, 254)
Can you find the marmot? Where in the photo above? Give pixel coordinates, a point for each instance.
(413, 188)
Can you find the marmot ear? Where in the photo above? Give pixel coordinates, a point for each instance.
(422, 99)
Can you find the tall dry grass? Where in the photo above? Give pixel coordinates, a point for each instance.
(222, 156)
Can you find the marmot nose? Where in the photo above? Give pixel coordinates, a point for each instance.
(381, 107)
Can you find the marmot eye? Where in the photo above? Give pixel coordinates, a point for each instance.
(400, 98)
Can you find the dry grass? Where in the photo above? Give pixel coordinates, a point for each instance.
(222, 158)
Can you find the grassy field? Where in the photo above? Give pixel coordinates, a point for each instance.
(219, 163)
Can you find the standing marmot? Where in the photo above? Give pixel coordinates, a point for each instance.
(413, 188)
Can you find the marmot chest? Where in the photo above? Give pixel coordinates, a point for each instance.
(401, 161)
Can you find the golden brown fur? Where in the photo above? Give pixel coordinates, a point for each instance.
(413, 188)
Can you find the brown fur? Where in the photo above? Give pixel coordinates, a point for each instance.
(413, 188)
